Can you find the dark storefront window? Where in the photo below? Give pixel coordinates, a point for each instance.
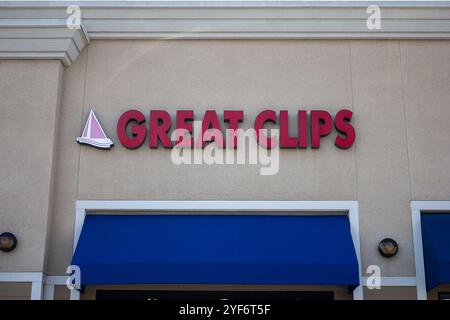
(212, 295)
(444, 295)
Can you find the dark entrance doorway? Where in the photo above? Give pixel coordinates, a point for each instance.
(212, 295)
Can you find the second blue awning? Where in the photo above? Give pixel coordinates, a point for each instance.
(216, 249)
(436, 248)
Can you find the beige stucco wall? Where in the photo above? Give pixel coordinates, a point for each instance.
(15, 291)
(29, 103)
(61, 293)
(398, 91)
(378, 80)
(426, 78)
(251, 75)
(391, 293)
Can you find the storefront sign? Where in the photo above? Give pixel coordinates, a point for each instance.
(133, 128)
(93, 134)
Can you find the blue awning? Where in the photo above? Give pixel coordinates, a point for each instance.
(216, 249)
(436, 248)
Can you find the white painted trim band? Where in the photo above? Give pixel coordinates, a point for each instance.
(430, 205)
(27, 26)
(395, 281)
(40, 39)
(216, 205)
(21, 276)
(37, 29)
(221, 4)
(56, 280)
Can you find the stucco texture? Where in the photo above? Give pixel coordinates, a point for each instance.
(398, 91)
(29, 103)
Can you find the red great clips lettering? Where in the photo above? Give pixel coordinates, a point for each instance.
(132, 128)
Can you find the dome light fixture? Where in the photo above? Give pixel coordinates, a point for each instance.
(388, 247)
(8, 241)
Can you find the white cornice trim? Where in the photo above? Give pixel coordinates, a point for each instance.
(225, 4)
(36, 29)
(41, 39)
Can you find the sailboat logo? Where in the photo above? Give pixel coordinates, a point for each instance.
(93, 134)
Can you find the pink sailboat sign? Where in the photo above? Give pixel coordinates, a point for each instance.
(93, 134)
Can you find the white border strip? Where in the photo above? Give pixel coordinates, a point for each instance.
(216, 205)
(21, 276)
(226, 4)
(56, 280)
(84, 207)
(417, 207)
(395, 281)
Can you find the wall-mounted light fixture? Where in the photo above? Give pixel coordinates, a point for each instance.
(8, 241)
(388, 247)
